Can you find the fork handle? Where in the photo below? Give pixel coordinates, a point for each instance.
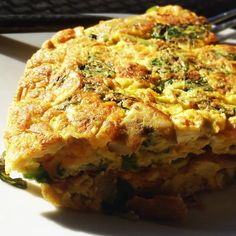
(223, 16)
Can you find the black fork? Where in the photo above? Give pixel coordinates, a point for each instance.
(223, 21)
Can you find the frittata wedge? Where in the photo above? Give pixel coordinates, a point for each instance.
(133, 114)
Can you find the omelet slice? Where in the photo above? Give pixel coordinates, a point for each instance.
(132, 114)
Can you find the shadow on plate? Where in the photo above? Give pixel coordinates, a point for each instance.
(16, 49)
(219, 214)
(100, 224)
(219, 218)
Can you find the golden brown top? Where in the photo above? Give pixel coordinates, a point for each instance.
(144, 83)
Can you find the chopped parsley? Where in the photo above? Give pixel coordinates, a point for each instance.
(168, 62)
(40, 175)
(90, 87)
(59, 80)
(233, 56)
(96, 68)
(193, 84)
(173, 68)
(169, 32)
(60, 171)
(161, 85)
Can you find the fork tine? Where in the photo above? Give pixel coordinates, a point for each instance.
(222, 16)
(228, 36)
(222, 26)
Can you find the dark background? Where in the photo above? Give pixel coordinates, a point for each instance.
(204, 7)
(52, 15)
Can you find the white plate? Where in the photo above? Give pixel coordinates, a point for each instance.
(26, 213)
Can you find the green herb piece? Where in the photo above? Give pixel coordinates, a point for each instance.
(17, 182)
(40, 175)
(169, 81)
(156, 62)
(59, 80)
(162, 63)
(225, 54)
(96, 68)
(173, 32)
(117, 205)
(121, 104)
(93, 36)
(102, 166)
(159, 87)
(169, 32)
(162, 84)
(60, 171)
(148, 133)
(223, 108)
(158, 31)
(234, 111)
(167, 62)
(233, 55)
(90, 87)
(193, 84)
(129, 162)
